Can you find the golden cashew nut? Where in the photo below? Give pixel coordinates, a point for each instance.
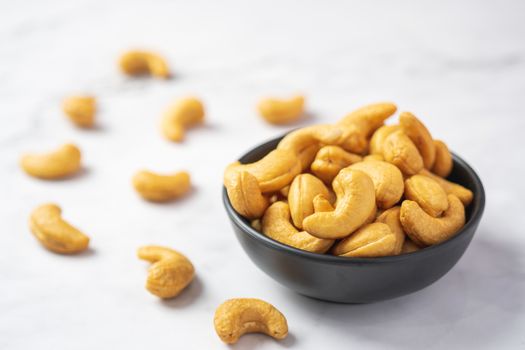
(276, 225)
(256, 225)
(281, 111)
(80, 110)
(370, 241)
(420, 136)
(330, 160)
(161, 188)
(273, 172)
(236, 317)
(409, 247)
(443, 163)
(379, 137)
(301, 195)
(359, 125)
(424, 229)
(305, 142)
(388, 181)
(321, 204)
(183, 114)
(391, 218)
(463, 193)
(144, 62)
(399, 150)
(426, 192)
(169, 273)
(355, 203)
(54, 233)
(61, 163)
(245, 195)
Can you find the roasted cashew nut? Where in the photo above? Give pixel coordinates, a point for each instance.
(409, 247)
(426, 192)
(420, 136)
(144, 62)
(371, 240)
(305, 142)
(424, 229)
(169, 273)
(379, 137)
(54, 233)
(276, 225)
(80, 110)
(161, 188)
(183, 114)
(399, 150)
(463, 193)
(443, 163)
(355, 203)
(281, 111)
(273, 172)
(391, 218)
(359, 125)
(245, 195)
(388, 181)
(301, 195)
(321, 204)
(236, 317)
(330, 160)
(61, 163)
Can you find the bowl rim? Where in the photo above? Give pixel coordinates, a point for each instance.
(478, 204)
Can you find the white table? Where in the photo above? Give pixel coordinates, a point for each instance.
(460, 66)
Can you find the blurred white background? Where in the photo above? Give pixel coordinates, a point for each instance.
(459, 66)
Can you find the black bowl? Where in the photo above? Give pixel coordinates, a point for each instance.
(357, 280)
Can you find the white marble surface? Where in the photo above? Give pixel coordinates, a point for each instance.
(458, 65)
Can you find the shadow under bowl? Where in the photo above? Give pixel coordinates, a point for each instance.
(357, 280)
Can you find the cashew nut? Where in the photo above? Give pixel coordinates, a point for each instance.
(463, 193)
(61, 163)
(420, 136)
(300, 197)
(276, 225)
(388, 181)
(161, 188)
(305, 142)
(424, 229)
(144, 62)
(321, 204)
(409, 247)
(245, 195)
(430, 196)
(372, 240)
(443, 163)
(330, 160)
(183, 114)
(273, 172)
(281, 111)
(169, 273)
(361, 123)
(391, 218)
(355, 203)
(256, 225)
(379, 137)
(54, 233)
(236, 317)
(80, 110)
(399, 150)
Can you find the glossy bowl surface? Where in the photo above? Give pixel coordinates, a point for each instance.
(357, 280)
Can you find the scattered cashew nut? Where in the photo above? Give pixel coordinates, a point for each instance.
(300, 197)
(330, 160)
(424, 229)
(355, 203)
(276, 225)
(236, 317)
(54, 233)
(80, 110)
(169, 273)
(58, 164)
(426, 192)
(371, 240)
(183, 114)
(281, 111)
(138, 62)
(161, 188)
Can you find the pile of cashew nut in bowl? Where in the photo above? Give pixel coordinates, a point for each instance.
(358, 188)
